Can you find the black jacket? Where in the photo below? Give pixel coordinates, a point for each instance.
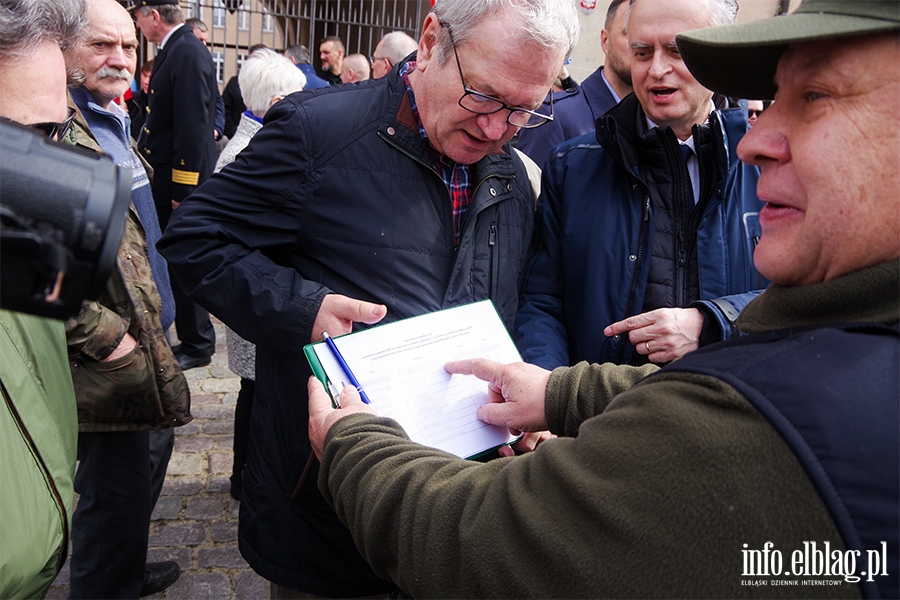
(336, 193)
(234, 106)
(178, 139)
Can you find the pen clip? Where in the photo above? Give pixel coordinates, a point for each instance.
(335, 395)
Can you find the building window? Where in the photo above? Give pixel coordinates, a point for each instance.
(218, 18)
(219, 60)
(241, 59)
(267, 21)
(194, 10)
(243, 19)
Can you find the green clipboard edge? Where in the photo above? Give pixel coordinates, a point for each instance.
(313, 359)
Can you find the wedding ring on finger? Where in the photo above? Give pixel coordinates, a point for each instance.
(647, 344)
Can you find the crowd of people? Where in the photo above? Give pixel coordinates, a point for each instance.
(696, 251)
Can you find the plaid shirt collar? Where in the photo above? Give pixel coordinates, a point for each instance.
(456, 176)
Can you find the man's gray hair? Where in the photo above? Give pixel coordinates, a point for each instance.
(549, 23)
(397, 45)
(195, 23)
(721, 12)
(169, 13)
(299, 53)
(266, 74)
(25, 24)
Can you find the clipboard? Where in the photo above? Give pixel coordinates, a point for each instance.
(400, 366)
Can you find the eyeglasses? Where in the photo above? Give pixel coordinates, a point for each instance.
(752, 112)
(374, 59)
(483, 104)
(54, 131)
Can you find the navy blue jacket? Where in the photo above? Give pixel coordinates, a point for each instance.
(594, 231)
(313, 81)
(337, 192)
(178, 139)
(574, 114)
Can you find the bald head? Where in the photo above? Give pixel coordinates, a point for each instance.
(355, 68)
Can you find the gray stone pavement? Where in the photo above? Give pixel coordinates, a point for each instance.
(195, 520)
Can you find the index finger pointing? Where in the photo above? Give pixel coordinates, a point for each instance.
(482, 368)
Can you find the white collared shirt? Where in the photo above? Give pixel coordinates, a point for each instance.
(693, 164)
(162, 44)
(611, 90)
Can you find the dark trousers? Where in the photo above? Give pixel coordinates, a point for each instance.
(242, 430)
(110, 527)
(195, 330)
(162, 441)
(119, 477)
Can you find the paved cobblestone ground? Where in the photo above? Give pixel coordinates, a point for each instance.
(195, 520)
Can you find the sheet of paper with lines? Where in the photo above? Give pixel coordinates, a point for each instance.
(401, 367)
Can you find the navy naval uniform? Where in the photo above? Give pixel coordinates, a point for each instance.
(178, 142)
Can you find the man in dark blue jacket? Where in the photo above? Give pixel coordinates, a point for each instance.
(651, 219)
(299, 55)
(576, 110)
(355, 204)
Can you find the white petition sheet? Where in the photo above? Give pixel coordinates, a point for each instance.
(401, 367)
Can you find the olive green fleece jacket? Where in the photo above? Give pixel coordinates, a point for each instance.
(650, 494)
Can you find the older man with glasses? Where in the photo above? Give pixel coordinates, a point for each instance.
(38, 420)
(763, 467)
(365, 204)
(393, 47)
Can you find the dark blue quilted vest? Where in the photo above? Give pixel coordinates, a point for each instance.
(833, 393)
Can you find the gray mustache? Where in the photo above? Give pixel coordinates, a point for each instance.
(109, 72)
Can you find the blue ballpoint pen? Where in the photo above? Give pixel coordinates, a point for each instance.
(344, 366)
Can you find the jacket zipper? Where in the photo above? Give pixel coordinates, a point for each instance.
(51, 483)
(681, 202)
(620, 352)
(469, 212)
(494, 263)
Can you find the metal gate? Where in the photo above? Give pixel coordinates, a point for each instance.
(235, 25)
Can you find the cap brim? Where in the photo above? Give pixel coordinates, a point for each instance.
(740, 60)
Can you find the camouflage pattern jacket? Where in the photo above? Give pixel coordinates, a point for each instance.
(145, 389)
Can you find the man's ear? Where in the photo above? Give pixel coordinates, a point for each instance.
(428, 42)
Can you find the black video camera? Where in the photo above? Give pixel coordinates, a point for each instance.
(62, 214)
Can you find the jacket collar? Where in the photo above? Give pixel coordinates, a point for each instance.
(621, 128)
(869, 295)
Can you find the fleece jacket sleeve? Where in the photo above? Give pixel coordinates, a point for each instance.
(655, 497)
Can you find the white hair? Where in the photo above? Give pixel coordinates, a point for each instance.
(721, 12)
(397, 45)
(266, 74)
(549, 23)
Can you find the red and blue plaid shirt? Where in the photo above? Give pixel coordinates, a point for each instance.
(455, 175)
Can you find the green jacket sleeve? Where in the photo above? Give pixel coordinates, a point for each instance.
(575, 394)
(653, 498)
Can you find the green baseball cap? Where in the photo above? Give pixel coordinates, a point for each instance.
(739, 60)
